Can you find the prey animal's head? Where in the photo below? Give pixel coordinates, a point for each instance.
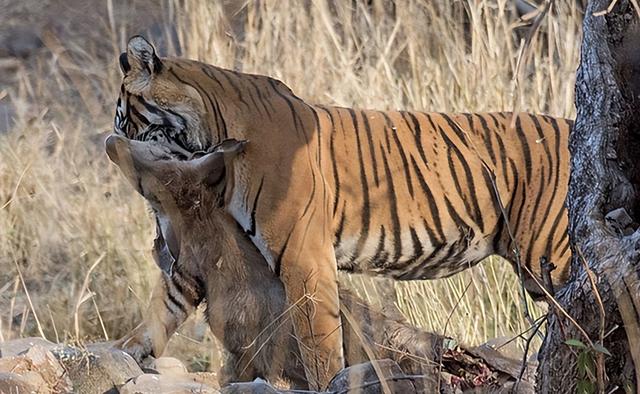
(177, 190)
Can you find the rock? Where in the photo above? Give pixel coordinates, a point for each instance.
(16, 347)
(208, 378)
(14, 383)
(40, 368)
(168, 366)
(97, 369)
(258, 386)
(523, 388)
(363, 378)
(165, 384)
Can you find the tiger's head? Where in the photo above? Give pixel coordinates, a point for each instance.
(155, 103)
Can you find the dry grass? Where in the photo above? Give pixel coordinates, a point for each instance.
(63, 206)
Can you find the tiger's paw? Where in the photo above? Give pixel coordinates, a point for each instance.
(138, 346)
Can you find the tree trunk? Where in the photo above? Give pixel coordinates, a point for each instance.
(603, 214)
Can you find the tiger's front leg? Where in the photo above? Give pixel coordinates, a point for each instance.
(168, 309)
(308, 271)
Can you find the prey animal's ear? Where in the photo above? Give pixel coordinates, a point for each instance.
(139, 64)
(118, 149)
(135, 158)
(211, 167)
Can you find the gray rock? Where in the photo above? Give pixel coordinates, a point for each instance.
(16, 347)
(14, 383)
(258, 386)
(168, 366)
(363, 379)
(97, 369)
(37, 366)
(165, 384)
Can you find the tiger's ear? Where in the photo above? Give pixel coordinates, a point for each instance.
(125, 67)
(211, 167)
(139, 63)
(142, 55)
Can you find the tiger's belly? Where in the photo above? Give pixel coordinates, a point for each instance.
(413, 257)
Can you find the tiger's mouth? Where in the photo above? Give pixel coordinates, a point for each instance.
(171, 138)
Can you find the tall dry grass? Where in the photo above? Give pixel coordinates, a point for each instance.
(63, 207)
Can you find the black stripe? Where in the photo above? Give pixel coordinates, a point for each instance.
(299, 127)
(472, 195)
(534, 234)
(235, 87)
(554, 230)
(209, 72)
(381, 256)
(192, 292)
(341, 225)
(175, 302)
(278, 262)
(566, 246)
(366, 214)
(416, 269)
(140, 119)
(525, 148)
(460, 223)
(395, 219)
(488, 140)
(545, 143)
(521, 187)
(418, 251)
(403, 156)
(433, 207)
(334, 161)
(221, 125)
(454, 127)
(557, 194)
(252, 229)
(417, 133)
(253, 100)
(260, 99)
(367, 129)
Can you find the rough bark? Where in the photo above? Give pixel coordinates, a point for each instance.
(603, 212)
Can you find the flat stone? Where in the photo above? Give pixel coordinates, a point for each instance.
(258, 386)
(364, 379)
(165, 384)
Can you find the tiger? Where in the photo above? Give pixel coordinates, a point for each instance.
(215, 264)
(404, 194)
